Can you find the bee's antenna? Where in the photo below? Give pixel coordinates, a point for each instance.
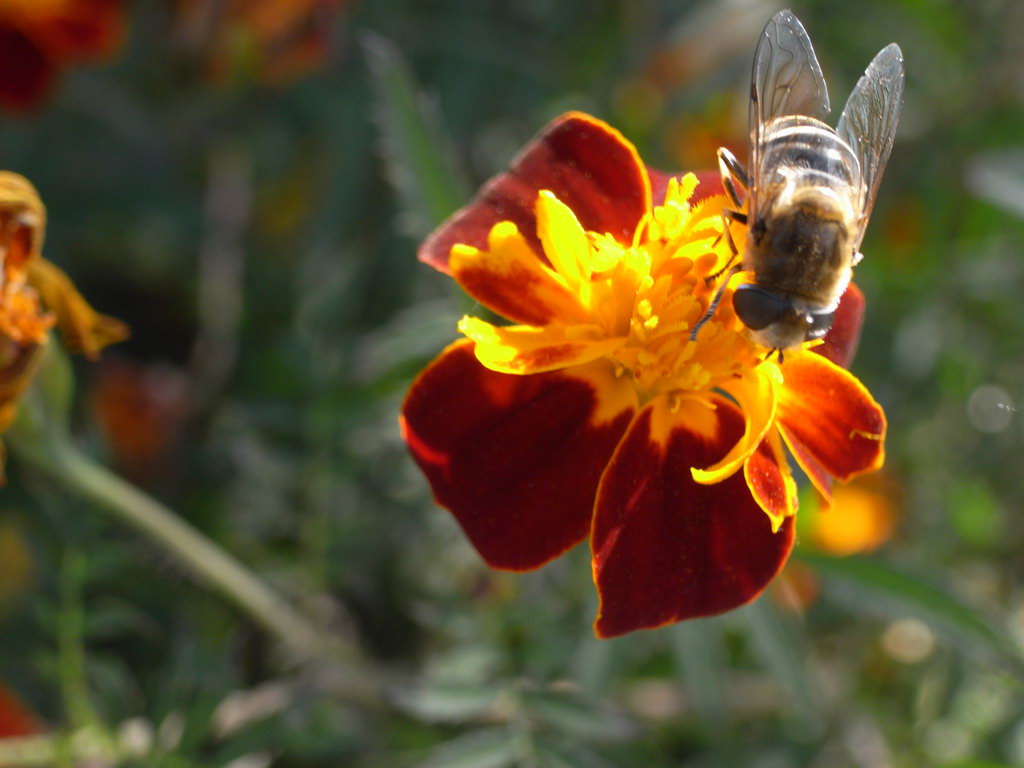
(714, 302)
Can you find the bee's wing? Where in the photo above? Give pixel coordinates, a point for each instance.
(787, 80)
(868, 123)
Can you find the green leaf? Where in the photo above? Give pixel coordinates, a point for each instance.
(576, 717)
(446, 702)
(562, 756)
(780, 651)
(881, 589)
(418, 160)
(486, 748)
(975, 513)
(696, 645)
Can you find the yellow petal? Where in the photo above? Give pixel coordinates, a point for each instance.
(565, 243)
(526, 349)
(755, 394)
(83, 329)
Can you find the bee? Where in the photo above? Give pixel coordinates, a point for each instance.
(810, 189)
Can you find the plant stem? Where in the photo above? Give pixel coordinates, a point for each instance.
(40, 437)
(208, 562)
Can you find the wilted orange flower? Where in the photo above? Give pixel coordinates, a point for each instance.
(39, 38)
(274, 41)
(595, 413)
(35, 295)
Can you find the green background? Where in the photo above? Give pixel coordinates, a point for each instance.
(277, 227)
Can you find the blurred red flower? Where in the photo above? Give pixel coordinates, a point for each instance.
(39, 38)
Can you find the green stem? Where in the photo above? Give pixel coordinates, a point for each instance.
(208, 562)
(71, 629)
(40, 437)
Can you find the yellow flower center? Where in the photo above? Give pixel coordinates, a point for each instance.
(634, 305)
(653, 292)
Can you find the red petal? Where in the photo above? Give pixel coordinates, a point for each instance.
(666, 548)
(832, 417)
(516, 459)
(588, 165)
(840, 343)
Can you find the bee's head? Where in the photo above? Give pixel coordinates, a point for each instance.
(776, 321)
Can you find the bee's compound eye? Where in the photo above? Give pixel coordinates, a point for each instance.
(758, 308)
(819, 324)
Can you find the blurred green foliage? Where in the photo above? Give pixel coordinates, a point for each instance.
(260, 240)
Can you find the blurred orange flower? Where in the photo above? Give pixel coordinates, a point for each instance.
(862, 518)
(15, 718)
(39, 38)
(139, 408)
(35, 295)
(272, 41)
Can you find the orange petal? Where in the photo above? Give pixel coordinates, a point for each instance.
(820, 479)
(83, 329)
(831, 415)
(666, 548)
(583, 161)
(509, 279)
(770, 480)
(516, 459)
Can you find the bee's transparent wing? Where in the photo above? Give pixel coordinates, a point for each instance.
(869, 120)
(787, 80)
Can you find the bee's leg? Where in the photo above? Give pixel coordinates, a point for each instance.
(727, 233)
(729, 167)
(775, 351)
(714, 303)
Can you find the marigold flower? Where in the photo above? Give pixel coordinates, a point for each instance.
(595, 413)
(35, 295)
(38, 38)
